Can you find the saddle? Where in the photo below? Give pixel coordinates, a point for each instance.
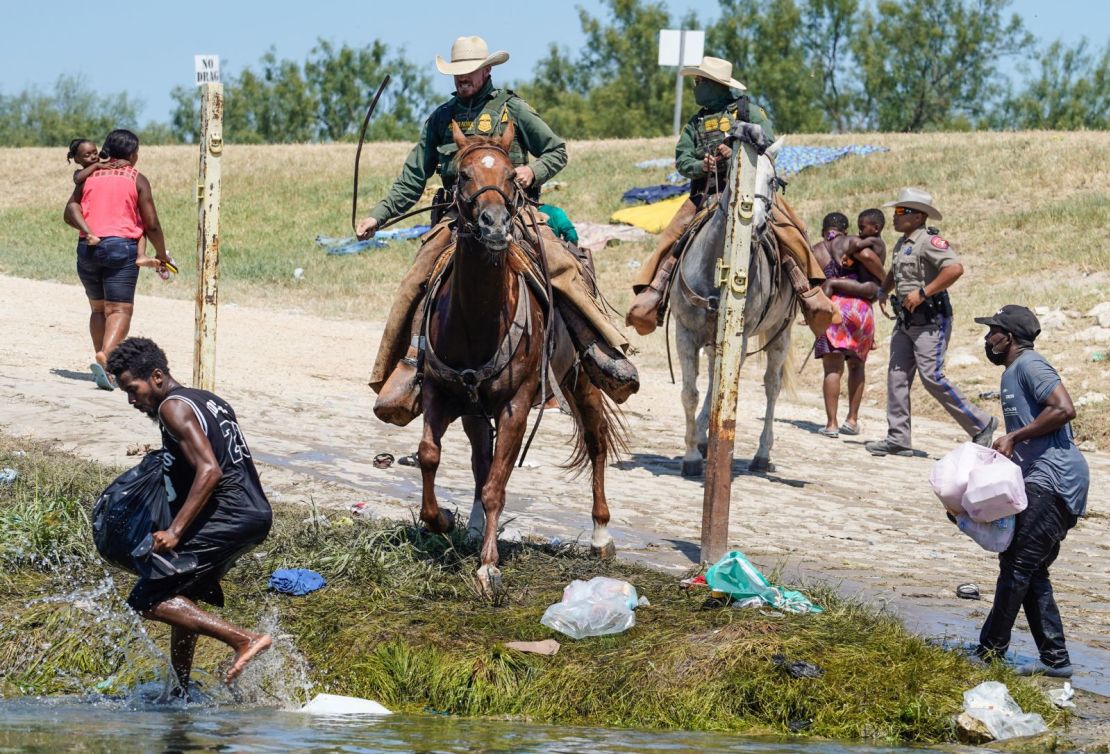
(679, 249)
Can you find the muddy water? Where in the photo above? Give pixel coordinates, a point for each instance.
(110, 727)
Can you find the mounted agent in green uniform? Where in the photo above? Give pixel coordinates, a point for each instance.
(480, 109)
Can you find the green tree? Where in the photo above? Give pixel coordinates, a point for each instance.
(828, 27)
(932, 64)
(1071, 90)
(763, 39)
(70, 110)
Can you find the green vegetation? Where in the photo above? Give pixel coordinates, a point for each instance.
(400, 622)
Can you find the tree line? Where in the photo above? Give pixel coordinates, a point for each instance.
(815, 65)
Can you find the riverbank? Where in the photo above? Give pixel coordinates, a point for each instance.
(400, 622)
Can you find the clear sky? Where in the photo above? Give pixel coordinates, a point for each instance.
(145, 48)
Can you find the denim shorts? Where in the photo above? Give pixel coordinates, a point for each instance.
(108, 270)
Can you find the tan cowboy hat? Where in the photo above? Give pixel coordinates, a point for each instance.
(916, 199)
(468, 54)
(714, 69)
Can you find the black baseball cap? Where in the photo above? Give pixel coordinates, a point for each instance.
(1016, 320)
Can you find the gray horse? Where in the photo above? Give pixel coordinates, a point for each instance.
(768, 315)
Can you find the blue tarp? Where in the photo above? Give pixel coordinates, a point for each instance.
(351, 245)
(296, 581)
(790, 160)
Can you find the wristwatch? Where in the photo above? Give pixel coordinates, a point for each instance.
(924, 295)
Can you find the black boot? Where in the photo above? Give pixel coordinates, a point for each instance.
(606, 366)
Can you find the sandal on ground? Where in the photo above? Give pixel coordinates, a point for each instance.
(849, 429)
(101, 377)
(383, 460)
(824, 432)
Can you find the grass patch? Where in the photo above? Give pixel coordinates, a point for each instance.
(400, 622)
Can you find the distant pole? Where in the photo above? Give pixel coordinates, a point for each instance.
(678, 82)
(208, 234)
(732, 277)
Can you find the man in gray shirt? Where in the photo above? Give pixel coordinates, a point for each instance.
(1038, 413)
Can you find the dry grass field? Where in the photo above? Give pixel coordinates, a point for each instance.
(1027, 211)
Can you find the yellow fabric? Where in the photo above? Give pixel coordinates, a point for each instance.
(651, 217)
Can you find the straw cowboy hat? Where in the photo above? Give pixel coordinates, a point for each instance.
(714, 69)
(468, 54)
(916, 199)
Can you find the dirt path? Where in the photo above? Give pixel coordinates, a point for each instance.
(297, 383)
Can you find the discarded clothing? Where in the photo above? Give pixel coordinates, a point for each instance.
(381, 239)
(559, 223)
(652, 194)
(793, 160)
(596, 236)
(296, 581)
(650, 217)
(735, 575)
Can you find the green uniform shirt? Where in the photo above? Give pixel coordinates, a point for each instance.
(918, 258)
(707, 129)
(485, 114)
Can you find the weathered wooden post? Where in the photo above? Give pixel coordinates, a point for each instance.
(732, 277)
(208, 234)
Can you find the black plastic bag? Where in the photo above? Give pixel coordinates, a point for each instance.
(129, 510)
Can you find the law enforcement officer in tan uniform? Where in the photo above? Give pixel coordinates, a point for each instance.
(481, 109)
(923, 268)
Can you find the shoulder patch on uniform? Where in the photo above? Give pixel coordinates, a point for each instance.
(485, 123)
(724, 124)
(763, 112)
(939, 242)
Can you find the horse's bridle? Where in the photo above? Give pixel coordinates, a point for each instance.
(513, 203)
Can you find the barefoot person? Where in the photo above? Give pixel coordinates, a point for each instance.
(220, 511)
(113, 207)
(1038, 412)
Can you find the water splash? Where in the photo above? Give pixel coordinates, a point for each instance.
(279, 676)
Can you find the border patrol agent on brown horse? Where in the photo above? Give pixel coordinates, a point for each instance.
(703, 156)
(483, 110)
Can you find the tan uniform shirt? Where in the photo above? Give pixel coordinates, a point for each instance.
(917, 259)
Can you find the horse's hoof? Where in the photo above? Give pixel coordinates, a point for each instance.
(442, 523)
(693, 468)
(607, 551)
(703, 448)
(489, 581)
(761, 465)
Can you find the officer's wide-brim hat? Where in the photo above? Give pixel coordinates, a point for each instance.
(714, 69)
(468, 54)
(1016, 319)
(916, 199)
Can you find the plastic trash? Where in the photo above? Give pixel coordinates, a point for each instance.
(597, 607)
(735, 575)
(7, 476)
(948, 476)
(991, 704)
(130, 509)
(1062, 697)
(994, 490)
(333, 704)
(994, 536)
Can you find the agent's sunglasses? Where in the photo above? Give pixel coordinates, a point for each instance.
(904, 211)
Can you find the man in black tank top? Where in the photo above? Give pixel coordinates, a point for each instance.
(219, 509)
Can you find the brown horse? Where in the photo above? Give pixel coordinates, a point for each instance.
(484, 344)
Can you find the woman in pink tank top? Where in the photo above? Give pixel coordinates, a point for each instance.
(113, 208)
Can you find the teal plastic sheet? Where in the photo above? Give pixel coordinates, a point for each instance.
(735, 575)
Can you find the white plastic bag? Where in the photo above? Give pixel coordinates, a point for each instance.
(991, 704)
(948, 476)
(596, 607)
(994, 536)
(994, 490)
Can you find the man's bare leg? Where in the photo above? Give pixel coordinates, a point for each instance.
(182, 645)
(184, 614)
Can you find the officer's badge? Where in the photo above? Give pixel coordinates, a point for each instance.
(939, 243)
(464, 125)
(724, 125)
(711, 124)
(485, 123)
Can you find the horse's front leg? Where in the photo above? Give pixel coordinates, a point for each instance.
(436, 420)
(687, 343)
(596, 432)
(511, 423)
(772, 384)
(477, 428)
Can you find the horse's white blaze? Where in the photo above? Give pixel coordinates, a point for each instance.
(487, 161)
(601, 536)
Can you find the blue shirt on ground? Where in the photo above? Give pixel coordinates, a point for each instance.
(1050, 461)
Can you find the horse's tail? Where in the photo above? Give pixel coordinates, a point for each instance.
(615, 435)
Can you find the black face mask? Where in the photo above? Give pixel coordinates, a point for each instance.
(998, 359)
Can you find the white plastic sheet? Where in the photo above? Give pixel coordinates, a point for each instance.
(991, 704)
(994, 536)
(596, 607)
